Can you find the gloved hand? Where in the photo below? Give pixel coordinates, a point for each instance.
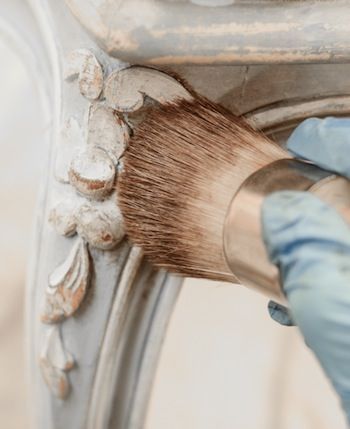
(310, 243)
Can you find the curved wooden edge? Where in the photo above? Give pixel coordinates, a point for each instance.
(160, 32)
(82, 270)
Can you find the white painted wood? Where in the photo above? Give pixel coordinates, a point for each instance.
(107, 131)
(68, 284)
(78, 285)
(245, 32)
(55, 361)
(125, 90)
(83, 63)
(113, 333)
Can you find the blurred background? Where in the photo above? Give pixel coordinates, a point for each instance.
(21, 126)
(224, 364)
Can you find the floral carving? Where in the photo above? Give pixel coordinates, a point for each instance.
(107, 131)
(125, 89)
(55, 362)
(82, 63)
(67, 284)
(90, 208)
(101, 225)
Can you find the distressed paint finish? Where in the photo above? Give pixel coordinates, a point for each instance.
(89, 208)
(92, 215)
(68, 285)
(102, 225)
(107, 131)
(125, 90)
(84, 64)
(329, 106)
(155, 32)
(92, 173)
(55, 362)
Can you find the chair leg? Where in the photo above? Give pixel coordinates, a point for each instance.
(97, 311)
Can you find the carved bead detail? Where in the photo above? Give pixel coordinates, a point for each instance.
(92, 173)
(67, 284)
(101, 225)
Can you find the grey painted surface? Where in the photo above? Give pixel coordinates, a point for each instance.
(84, 334)
(248, 32)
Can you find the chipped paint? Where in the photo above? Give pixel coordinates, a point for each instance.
(55, 361)
(252, 55)
(125, 89)
(84, 64)
(67, 285)
(92, 173)
(228, 29)
(107, 131)
(92, 212)
(101, 225)
(151, 32)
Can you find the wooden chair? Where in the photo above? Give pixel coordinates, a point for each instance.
(97, 311)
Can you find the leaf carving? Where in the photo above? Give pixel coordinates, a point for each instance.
(125, 89)
(107, 131)
(84, 64)
(67, 285)
(55, 361)
(90, 209)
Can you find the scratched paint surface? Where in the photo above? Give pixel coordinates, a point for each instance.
(246, 32)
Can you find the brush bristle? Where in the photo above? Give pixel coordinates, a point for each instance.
(181, 170)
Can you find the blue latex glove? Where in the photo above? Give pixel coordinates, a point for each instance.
(310, 243)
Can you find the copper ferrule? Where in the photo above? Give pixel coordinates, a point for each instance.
(244, 247)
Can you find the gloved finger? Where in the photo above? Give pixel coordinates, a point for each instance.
(310, 243)
(280, 314)
(326, 142)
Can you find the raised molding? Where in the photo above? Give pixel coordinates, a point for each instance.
(90, 208)
(246, 32)
(125, 90)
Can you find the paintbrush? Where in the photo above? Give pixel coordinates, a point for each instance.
(186, 165)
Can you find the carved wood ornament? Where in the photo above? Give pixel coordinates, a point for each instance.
(90, 214)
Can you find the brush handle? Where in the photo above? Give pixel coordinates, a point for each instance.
(243, 241)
